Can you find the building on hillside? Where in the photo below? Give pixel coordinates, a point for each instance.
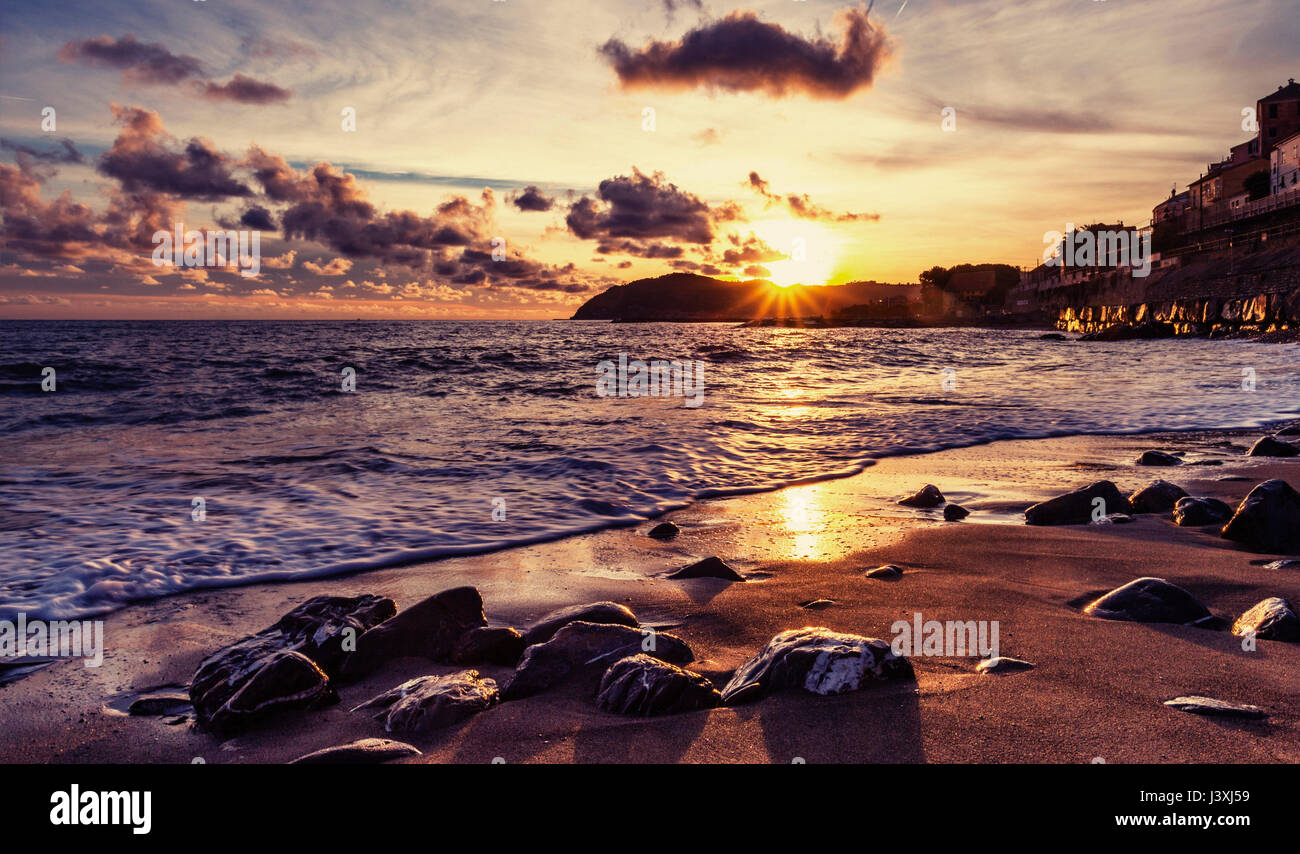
(1247, 150)
(1284, 165)
(1171, 208)
(1209, 195)
(1278, 116)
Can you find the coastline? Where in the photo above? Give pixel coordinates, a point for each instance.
(1096, 691)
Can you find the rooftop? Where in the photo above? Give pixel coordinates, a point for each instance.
(1289, 92)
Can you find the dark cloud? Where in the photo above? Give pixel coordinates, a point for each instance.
(802, 206)
(642, 250)
(69, 154)
(245, 90)
(740, 53)
(139, 61)
(327, 205)
(145, 157)
(144, 62)
(758, 271)
(258, 218)
(133, 218)
(50, 230)
(532, 199)
(758, 185)
(645, 207)
(67, 229)
(749, 250)
(155, 175)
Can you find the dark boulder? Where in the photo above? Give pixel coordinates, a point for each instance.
(929, 496)
(665, 531)
(1270, 619)
(710, 567)
(319, 629)
(1158, 458)
(1268, 519)
(955, 513)
(484, 645)
(365, 751)
(429, 629)
(817, 660)
(643, 685)
(1194, 512)
(1159, 496)
(597, 612)
(427, 703)
(1149, 600)
(1270, 447)
(1124, 332)
(585, 651)
(888, 572)
(1079, 507)
(284, 680)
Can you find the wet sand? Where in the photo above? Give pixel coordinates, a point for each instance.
(1096, 691)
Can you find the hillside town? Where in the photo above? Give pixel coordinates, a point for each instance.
(1227, 245)
(1231, 233)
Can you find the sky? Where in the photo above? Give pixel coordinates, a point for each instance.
(511, 158)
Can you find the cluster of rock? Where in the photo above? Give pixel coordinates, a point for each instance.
(1155, 600)
(1267, 520)
(929, 497)
(600, 648)
(289, 665)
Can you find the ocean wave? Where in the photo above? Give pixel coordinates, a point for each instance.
(462, 437)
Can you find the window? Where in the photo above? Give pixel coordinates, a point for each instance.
(1272, 111)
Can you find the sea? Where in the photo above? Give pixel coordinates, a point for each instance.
(141, 459)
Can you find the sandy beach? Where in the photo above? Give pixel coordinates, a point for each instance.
(1096, 692)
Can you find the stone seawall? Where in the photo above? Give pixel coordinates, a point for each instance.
(1264, 312)
(1247, 289)
(1256, 293)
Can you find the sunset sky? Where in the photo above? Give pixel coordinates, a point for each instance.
(526, 121)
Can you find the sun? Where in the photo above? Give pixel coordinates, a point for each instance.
(811, 250)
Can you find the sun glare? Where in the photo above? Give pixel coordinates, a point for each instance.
(811, 250)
